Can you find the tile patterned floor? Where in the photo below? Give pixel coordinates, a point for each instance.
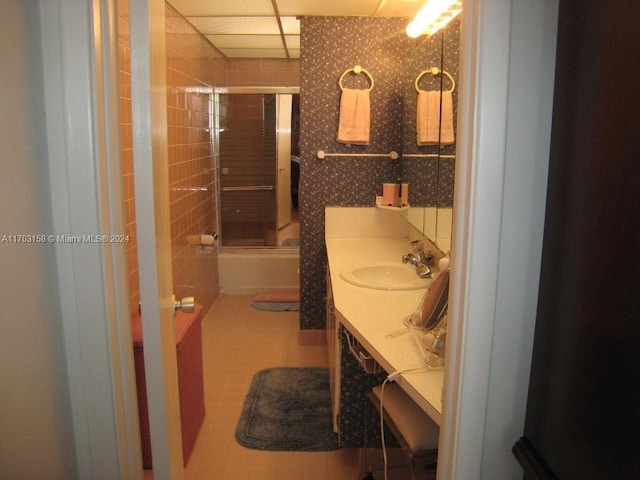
(238, 341)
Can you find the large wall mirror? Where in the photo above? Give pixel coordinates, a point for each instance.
(429, 168)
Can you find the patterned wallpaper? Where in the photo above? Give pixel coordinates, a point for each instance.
(331, 45)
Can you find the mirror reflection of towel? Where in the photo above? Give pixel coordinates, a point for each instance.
(353, 127)
(428, 119)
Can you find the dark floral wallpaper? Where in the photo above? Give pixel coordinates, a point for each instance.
(329, 46)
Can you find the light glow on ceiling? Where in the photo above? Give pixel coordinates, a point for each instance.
(433, 16)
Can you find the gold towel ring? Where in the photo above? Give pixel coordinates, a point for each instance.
(435, 71)
(357, 70)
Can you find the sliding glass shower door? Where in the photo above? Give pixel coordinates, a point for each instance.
(247, 137)
(254, 145)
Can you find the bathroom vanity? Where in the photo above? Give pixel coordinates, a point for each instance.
(369, 316)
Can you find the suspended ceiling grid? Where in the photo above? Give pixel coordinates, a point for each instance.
(271, 28)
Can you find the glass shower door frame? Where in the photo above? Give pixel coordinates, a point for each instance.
(262, 189)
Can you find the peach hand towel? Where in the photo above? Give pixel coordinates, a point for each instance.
(354, 122)
(428, 120)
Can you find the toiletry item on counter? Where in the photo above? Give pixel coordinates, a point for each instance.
(443, 263)
(391, 194)
(395, 194)
(404, 194)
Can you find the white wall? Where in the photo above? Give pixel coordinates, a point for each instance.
(36, 437)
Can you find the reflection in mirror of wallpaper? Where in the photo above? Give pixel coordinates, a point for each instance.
(431, 180)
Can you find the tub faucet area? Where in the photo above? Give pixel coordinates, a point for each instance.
(419, 259)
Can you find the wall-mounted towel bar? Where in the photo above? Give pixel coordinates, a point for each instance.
(426, 155)
(393, 155)
(434, 71)
(247, 188)
(357, 70)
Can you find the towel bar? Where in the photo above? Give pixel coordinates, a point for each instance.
(426, 155)
(248, 188)
(393, 155)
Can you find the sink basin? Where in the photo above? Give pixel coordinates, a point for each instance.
(385, 276)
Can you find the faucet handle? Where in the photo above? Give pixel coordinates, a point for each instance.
(418, 250)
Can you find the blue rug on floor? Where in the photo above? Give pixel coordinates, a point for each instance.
(288, 409)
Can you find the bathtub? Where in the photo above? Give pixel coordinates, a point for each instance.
(249, 271)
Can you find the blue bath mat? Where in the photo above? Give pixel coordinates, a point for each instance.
(288, 409)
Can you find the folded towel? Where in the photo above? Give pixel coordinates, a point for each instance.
(428, 120)
(353, 127)
(446, 122)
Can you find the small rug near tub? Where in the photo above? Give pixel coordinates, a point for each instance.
(288, 409)
(277, 300)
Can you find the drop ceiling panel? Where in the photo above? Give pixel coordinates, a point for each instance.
(293, 41)
(243, 28)
(236, 25)
(328, 7)
(246, 41)
(400, 8)
(254, 53)
(210, 8)
(290, 25)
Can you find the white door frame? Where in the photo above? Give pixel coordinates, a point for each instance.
(151, 181)
(80, 72)
(504, 127)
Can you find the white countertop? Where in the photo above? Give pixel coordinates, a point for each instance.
(370, 315)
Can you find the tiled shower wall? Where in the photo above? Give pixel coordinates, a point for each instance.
(193, 68)
(271, 72)
(127, 150)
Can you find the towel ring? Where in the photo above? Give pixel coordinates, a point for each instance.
(357, 70)
(435, 71)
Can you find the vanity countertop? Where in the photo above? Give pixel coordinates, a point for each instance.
(370, 315)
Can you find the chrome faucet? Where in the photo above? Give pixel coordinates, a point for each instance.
(419, 259)
(418, 251)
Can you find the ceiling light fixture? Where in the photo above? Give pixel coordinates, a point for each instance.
(434, 15)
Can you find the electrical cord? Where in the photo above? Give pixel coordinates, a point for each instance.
(390, 378)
